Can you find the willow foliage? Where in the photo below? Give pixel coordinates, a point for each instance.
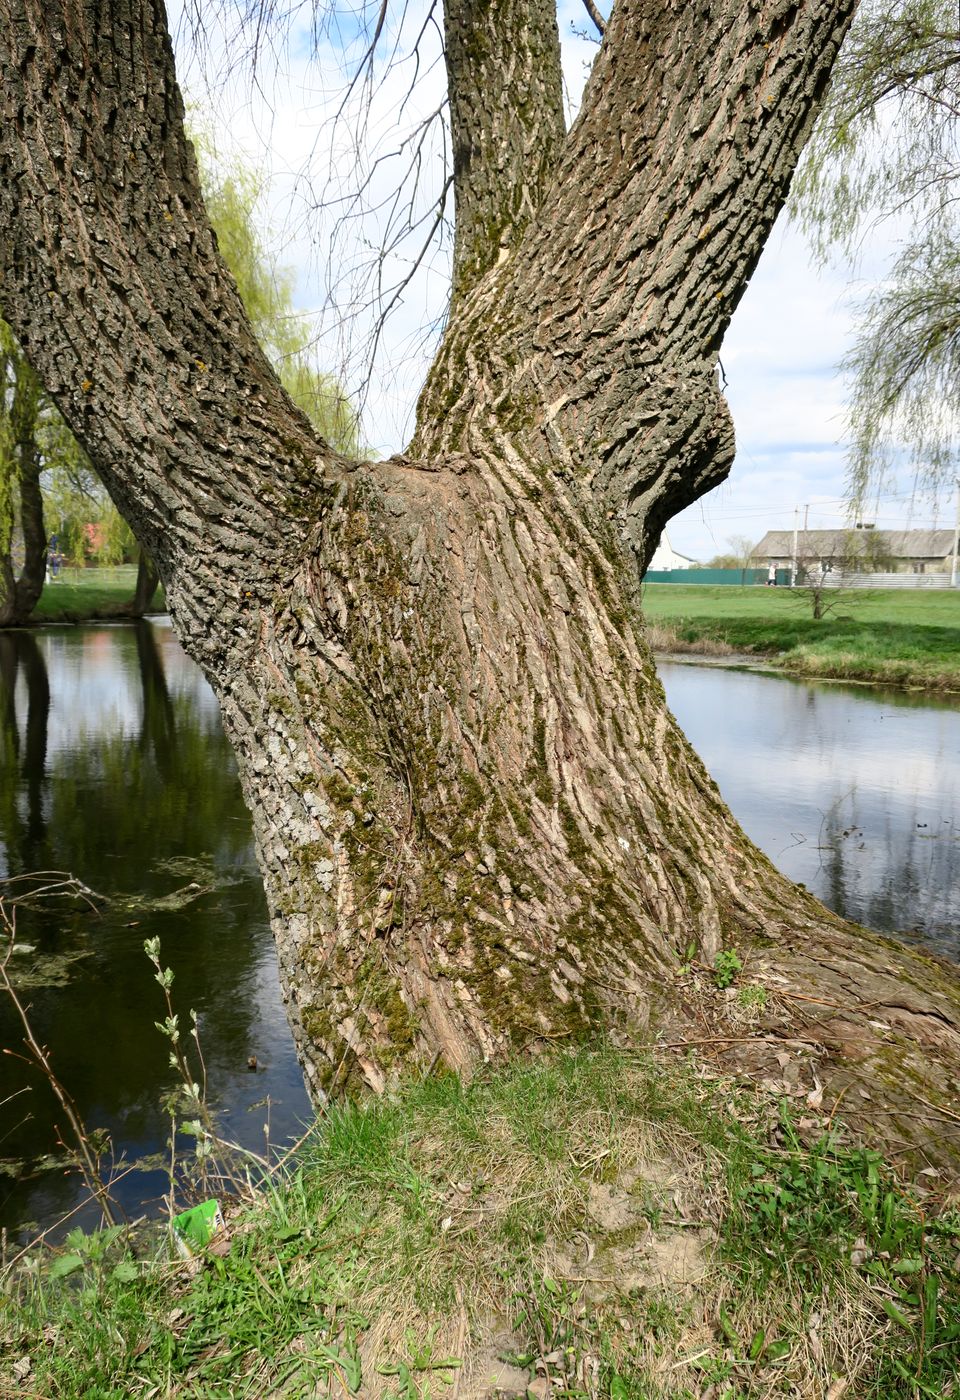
(886, 150)
(232, 192)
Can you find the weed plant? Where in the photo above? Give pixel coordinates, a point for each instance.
(727, 967)
(819, 1218)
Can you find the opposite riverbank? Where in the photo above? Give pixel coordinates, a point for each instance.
(906, 637)
(591, 1226)
(90, 595)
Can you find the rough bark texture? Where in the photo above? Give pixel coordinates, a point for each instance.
(595, 345)
(506, 119)
(478, 825)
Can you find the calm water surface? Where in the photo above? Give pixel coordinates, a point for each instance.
(853, 791)
(114, 767)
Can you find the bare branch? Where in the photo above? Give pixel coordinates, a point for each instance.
(596, 16)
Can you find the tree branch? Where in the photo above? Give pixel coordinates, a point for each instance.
(506, 120)
(598, 19)
(113, 284)
(600, 336)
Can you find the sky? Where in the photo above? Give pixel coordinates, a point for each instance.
(781, 353)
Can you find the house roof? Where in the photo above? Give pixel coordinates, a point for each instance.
(831, 544)
(666, 557)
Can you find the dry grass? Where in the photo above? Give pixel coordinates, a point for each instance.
(506, 1191)
(596, 1226)
(668, 640)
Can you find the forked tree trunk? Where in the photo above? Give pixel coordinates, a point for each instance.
(478, 825)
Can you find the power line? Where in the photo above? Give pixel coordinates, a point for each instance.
(823, 502)
(831, 506)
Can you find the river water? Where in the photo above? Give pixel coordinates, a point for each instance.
(852, 791)
(115, 768)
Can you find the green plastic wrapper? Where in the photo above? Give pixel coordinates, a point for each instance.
(195, 1228)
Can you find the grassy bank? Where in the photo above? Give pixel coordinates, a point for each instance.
(599, 1225)
(897, 637)
(79, 595)
(900, 637)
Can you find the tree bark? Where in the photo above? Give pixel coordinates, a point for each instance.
(19, 593)
(478, 825)
(506, 118)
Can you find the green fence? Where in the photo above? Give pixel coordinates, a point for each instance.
(735, 576)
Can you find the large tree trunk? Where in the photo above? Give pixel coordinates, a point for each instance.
(478, 825)
(19, 593)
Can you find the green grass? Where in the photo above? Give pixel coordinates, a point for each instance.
(536, 1219)
(907, 638)
(900, 637)
(79, 594)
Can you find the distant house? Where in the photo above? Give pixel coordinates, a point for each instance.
(898, 551)
(666, 557)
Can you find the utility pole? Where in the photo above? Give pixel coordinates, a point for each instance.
(956, 537)
(793, 561)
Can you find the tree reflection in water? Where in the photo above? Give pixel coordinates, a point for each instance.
(116, 769)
